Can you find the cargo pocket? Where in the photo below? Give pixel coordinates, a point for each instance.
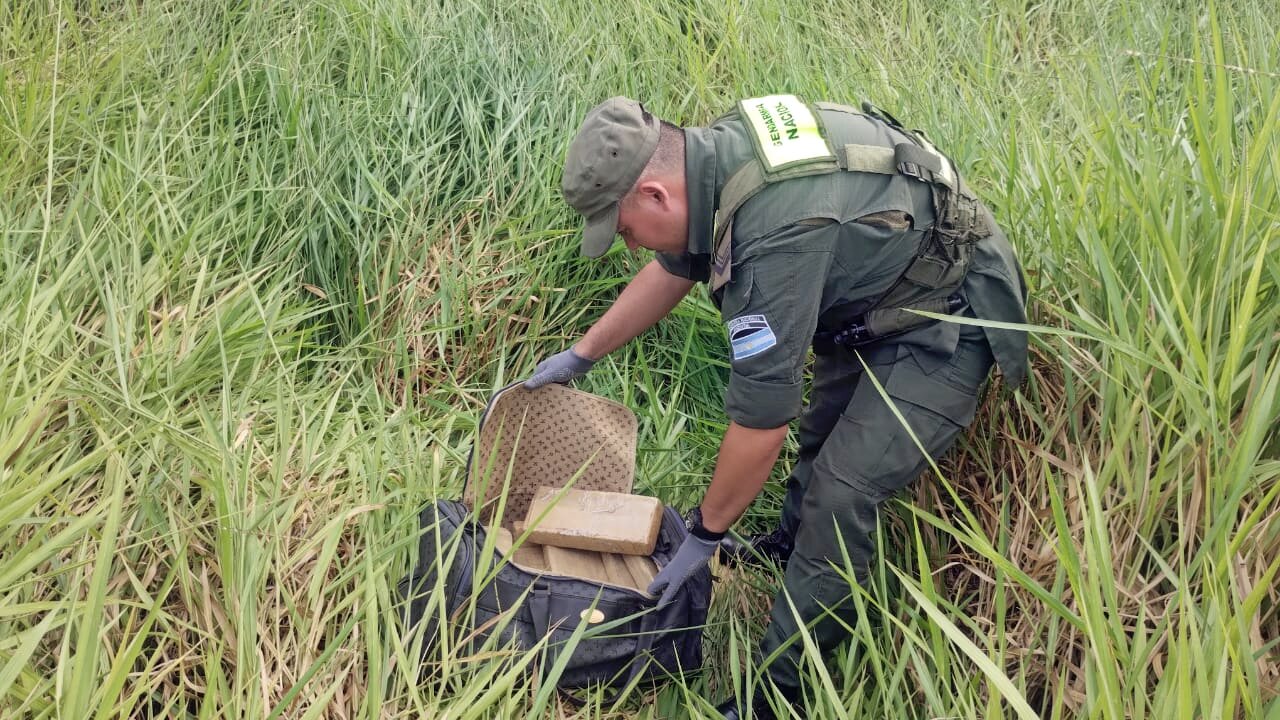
(937, 392)
(895, 458)
(878, 453)
(967, 368)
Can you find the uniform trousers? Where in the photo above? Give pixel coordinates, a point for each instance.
(854, 454)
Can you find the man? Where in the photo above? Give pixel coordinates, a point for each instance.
(814, 226)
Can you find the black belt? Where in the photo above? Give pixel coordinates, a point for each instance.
(856, 333)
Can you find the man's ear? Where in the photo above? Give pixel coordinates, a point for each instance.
(654, 191)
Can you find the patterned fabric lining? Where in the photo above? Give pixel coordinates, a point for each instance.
(547, 437)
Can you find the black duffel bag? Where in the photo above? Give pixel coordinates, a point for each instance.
(615, 635)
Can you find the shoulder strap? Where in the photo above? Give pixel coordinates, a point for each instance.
(750, 177)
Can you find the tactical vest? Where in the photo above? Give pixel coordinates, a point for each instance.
(789, 142)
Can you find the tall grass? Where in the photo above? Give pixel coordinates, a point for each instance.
(264, 261)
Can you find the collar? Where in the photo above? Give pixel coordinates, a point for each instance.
(700, 184)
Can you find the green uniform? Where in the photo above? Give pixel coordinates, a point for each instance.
(808, 253)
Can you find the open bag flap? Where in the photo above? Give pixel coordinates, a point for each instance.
(547, 437)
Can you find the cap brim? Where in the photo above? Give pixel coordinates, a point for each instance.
(600, 232)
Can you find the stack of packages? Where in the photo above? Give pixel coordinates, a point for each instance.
(607, 537)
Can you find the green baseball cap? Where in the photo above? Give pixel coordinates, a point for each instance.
(605, 159)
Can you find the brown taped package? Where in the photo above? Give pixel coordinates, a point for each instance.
(616, 568)
(590, 520)
(630, 571)
(577, 563)
(642, 570)
(502, 540)
(529, 555)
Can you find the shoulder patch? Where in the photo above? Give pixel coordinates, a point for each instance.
(750, 335)
(785, 131)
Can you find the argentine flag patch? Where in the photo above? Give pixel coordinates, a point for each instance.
(750, 335)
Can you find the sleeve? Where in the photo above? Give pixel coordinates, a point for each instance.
(770, 308)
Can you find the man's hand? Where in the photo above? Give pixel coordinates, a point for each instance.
(563, 367)
(647, 298)
(693, 555)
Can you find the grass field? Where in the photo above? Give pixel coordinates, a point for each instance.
(263, 262)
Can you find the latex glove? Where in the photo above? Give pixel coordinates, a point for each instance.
(559, 368)
(693, 555)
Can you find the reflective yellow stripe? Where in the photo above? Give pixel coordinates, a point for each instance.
(785, 129)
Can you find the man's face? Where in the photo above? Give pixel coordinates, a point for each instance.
(655, 217)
